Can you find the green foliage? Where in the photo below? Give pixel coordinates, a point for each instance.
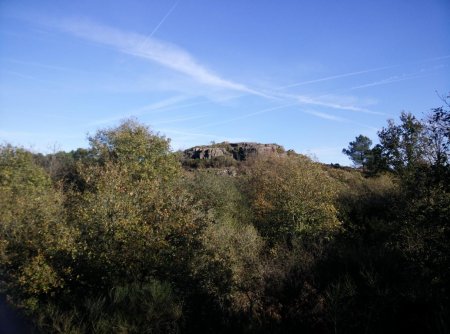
(150, 307)
(359, 151)
(19, 176)
(220, 196)
(138, 228)
(291, 196)
(118, 238)
(35, 242)
(403, 146)
(363, 201)
(127, 217)
(134, 216)
(396, 231)
(438, 131)
(133, 147)
(231, 266)
(37, 276)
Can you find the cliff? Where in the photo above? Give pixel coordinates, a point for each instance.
(236, 151)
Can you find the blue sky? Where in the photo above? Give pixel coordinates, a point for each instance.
(309, 75)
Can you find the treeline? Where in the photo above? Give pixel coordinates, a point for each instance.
(119, 238)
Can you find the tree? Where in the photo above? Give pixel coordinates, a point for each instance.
(137, 230)
(403, 146)
(438, 131)
(230, 266)
(135, 217)
(134, 146)
(359, 151)
(34, 240)
(291, 197)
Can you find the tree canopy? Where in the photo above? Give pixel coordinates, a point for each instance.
(120, 238)
(359, 151)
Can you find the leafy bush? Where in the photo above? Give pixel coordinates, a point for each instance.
(291, 196)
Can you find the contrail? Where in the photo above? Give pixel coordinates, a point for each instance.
(163, 19)
(344, 75)
(246, 115)
(146, 39)
(338, 76)
(413, 75)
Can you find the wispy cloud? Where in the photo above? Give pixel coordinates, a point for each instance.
(27, 77)
(160, 104)
(26, 134)
(325, 116)
(179, 119)
(152, 107)
(355, 73)
(385, 81)
(397, 78)
(230, 120)
(329, 103)
(334, 77)
(335, 118)
(170, 104)
(195, 134)
(161, 52)
(46, 66)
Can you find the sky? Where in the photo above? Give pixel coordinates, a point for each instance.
(308, 75)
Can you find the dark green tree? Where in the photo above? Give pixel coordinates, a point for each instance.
(438, 131)
(359, 151)
(403, 146)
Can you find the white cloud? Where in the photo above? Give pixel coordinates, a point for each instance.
(325, 116)
(263, 111)
(397, 78)
(153, 107)
(46, 66)
(334, 77)
(329, 103)
(179, 119)
(161, 52)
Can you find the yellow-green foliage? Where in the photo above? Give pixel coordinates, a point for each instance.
(33, 234)
(354, 182)
(139, 152)
(22, 183)
(360, 198)
(38, 277)
(231, 265)
(133, 214)
(219, 196)
(129, 243)
(291, 196)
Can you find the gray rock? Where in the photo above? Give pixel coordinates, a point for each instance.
(238, 151)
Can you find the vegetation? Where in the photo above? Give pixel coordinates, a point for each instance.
(359, 151)
(119, 238)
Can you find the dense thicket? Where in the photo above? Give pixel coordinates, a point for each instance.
(119, 238)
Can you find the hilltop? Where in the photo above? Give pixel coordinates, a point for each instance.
(227, 154)
(237, 151)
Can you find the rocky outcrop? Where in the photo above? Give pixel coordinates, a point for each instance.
(236, 151)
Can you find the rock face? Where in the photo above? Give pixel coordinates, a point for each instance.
(237, 151)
